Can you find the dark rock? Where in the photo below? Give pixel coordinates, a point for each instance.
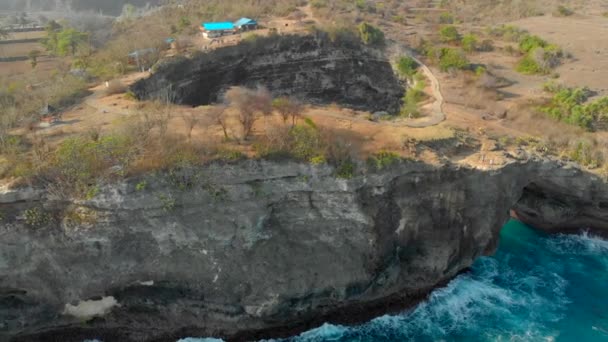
(312, 67)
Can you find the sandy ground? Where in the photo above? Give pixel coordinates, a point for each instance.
(586, 38)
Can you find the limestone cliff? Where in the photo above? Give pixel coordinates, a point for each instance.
(259, 249)
(312, 67)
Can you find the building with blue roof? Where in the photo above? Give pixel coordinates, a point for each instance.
(246, 24)
(218, 29)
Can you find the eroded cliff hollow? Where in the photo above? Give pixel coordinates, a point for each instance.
(312, 67)
(259, 249)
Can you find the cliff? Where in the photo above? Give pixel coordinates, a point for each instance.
(259, 249)
(342, 71)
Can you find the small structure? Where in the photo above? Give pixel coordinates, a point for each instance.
(246, 24)
(214, 30)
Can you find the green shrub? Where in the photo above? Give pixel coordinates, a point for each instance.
(449, 34)
(141, 186)
(383, 159)
(530, 42)
(452, 59)
(570, 106)
(407, 66)
(370, 35)
(346, 169)
(469, 43)
(480, 70)
(37, 217)
(529, 66)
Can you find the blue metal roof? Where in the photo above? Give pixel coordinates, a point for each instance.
(223, 26)
(245, 21)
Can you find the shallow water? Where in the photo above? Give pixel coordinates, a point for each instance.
(535, 288)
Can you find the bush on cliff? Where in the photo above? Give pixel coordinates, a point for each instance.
(370, 35)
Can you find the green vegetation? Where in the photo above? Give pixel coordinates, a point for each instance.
(383, 160)
(540, 57)
(141, 186)
(370, 35)
(469, 43)
(413, 96)
(529, 43)
(571, 106)
(529, 66)
(37, 217)
(452, 59)
(407, 67)
(64, 41)
(449, 34)
(346, 169)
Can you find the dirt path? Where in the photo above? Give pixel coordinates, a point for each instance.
(436, 114)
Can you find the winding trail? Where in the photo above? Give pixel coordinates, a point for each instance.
(436, 115)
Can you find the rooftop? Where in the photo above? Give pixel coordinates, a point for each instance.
(221, 26)
(244, 21)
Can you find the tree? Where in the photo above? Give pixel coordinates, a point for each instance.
(217, 115)
(52, 28)
(288, 108)
(469, 43)
(370, 35)
(69, 40)
(249, 104)
(406, 66)
(449, 34)
(452, 59)
(33, 56)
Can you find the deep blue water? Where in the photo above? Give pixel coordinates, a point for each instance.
(535, 288)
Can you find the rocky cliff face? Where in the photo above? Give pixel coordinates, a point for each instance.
(261, 249)
(313, 67)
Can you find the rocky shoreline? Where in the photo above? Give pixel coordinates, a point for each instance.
(262, 249)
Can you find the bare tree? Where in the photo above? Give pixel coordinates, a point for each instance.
(288, 108)
(249, 103)
(217, 115)
(191, 119)
(162, 111)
